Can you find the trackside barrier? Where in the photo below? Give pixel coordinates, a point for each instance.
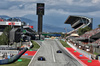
(84, 53)
(99, 58)
(70, 45)
(80, 51)
(14, 58)
(8, 52)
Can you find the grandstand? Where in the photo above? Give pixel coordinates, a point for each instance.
(97, 41)
(13, 22)
(88, 34)
(17, 27)
(81, 22)
(78, 22)
(29, 32)
(90, 38)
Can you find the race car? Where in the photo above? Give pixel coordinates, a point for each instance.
(41, 58)
(59, 51)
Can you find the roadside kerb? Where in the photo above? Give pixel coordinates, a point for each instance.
(75, 57)
(35, 54)
(33, 57)
(80, 51)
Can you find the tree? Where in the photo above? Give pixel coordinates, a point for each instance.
(98, 26)
(4, 37)
(83, 30)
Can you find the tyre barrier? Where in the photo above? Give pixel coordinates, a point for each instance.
(14, 58)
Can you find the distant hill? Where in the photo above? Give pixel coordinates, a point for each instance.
(28, 21)
(51, 23)
(51, 28)
(4, 16)
(32, 21)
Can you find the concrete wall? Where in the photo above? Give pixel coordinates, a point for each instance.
(8, 52)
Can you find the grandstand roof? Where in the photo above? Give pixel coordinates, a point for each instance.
(71, 19)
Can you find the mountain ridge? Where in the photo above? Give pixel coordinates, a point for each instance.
(46, 27)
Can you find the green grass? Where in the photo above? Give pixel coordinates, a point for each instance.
(64, 43)
(96, 53)
(36, 46)
(24, 62)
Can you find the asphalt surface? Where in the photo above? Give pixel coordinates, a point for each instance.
(48, 50)
(28, 57)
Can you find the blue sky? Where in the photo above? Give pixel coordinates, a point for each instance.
(56, 10)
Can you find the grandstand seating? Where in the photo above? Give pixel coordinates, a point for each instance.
(89, 41)
(97, 41)
(90, 33)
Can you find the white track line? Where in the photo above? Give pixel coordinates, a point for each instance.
(75, 57)
(53, 54)
(33, 57)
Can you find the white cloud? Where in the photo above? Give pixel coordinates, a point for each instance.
(62, 12)
(13, 7)
(20, 5)
(53, 8)
(24, 0)
(94, 14)
(15, 13)
(95, 1)
(30, 6)
(24, 7)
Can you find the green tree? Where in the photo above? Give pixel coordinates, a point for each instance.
(98, 26)
(4, 37)
(83, 30)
